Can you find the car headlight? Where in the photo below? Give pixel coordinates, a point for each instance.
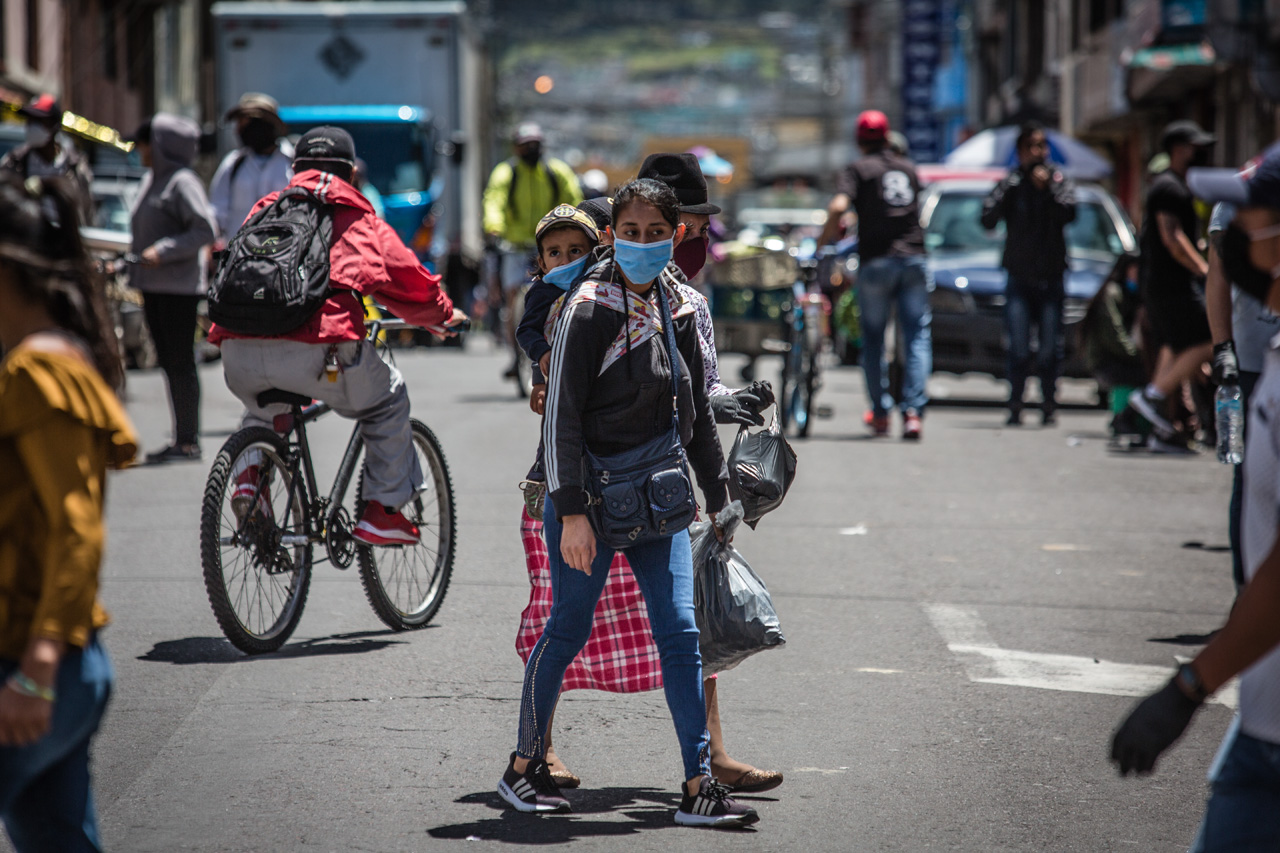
(944, 300)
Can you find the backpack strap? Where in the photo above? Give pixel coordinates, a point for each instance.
(235, 167)
(551, 179)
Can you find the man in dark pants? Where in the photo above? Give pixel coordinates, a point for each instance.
(1036, 202)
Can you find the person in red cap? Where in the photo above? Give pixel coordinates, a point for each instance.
(882, 188)
(43, 155)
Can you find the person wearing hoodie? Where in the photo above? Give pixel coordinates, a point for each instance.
(172, 221)
(366, 259)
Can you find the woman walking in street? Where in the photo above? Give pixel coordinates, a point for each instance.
(61, 427)
(172, 221)
(609, 392)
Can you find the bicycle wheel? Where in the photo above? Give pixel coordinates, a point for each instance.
(406, 584)
(257, 583)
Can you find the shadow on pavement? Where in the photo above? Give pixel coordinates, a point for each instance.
(1196, 545)
(219, 650)
(1184, 639)
(509, 397)
(656, 811)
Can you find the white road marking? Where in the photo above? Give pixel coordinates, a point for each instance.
(985, 662)
(824, 770)
(860, 530)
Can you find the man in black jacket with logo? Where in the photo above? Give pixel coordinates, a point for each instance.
(1036, 201)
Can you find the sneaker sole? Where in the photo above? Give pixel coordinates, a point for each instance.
(373, 537)
(717, 821)
(504, 791)
(1142, 406)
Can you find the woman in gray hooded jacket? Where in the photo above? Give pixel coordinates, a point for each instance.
(172, 220)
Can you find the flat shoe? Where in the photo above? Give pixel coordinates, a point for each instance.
(565, 779)
(754, 782)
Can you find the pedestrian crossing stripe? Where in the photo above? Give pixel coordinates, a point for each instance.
(987, 663)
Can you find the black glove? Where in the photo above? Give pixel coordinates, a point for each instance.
(762, 391)
(736, 409)
(1226, 367)
(1151, 728)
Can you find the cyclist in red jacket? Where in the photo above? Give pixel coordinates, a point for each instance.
(328, 358)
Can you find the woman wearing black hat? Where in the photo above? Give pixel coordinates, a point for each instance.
(684, 175)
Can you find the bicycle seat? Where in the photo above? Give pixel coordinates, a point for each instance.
(275, 395)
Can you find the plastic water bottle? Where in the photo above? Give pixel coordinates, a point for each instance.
(1230, 411)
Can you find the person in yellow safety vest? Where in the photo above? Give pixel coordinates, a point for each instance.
(520, 192)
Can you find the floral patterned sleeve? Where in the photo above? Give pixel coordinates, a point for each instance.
(706, 340)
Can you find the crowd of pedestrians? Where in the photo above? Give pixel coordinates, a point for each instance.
(627, 378)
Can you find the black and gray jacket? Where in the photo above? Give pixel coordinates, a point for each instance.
(1036, 247)
(628, 403)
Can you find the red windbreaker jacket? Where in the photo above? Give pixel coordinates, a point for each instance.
(367, 258)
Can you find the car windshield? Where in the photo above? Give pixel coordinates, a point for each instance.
(955, 227)
(394, 154)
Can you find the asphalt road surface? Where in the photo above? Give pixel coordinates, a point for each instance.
(967, 621)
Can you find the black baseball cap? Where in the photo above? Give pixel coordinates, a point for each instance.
(326, 144)
(682, 173)
(141, 134)
(1185, 131)
(1256, 185)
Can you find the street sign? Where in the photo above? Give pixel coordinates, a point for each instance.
(921, 49)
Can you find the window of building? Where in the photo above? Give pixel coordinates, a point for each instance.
(33, 34)
(107, 29)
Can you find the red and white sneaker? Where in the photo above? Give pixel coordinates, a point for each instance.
(879, 424)
(381, 526)
(912, 425)
(245, 488)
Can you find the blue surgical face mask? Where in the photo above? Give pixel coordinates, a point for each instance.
(641, 262)
(566, 274)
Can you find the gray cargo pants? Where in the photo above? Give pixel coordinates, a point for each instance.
(368, 390)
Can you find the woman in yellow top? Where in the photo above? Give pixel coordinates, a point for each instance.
(61, 427)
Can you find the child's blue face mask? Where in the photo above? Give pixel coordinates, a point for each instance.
(565, 275)
(641, 262)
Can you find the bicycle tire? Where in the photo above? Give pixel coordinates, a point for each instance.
(390, 575)
(228, 596)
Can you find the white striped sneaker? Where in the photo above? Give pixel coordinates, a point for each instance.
(533, 790)
(712, 806)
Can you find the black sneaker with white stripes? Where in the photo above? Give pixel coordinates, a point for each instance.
(712, 806)
(533, 790)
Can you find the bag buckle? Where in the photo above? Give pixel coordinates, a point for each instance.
(634, 533)
(662, 527)
(604, 478)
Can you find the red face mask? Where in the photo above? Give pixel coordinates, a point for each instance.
(691, 256)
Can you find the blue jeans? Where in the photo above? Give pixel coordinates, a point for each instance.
(664, 571)
(1244, 801)
(45, 799)
(1025, 304)
(880, 282)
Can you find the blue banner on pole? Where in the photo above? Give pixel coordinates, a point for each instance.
(921, 51)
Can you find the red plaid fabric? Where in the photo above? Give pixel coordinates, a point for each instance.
(620, 656)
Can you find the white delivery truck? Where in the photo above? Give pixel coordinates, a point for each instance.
(407, 79)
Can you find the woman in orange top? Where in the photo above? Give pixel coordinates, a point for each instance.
(61, 427)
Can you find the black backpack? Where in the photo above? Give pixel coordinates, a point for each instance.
(274, 274)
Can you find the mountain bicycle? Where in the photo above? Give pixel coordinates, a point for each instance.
(257, 550)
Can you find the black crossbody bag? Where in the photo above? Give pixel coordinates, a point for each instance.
(643, 494)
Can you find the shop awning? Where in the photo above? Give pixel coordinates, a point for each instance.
(1169, 72)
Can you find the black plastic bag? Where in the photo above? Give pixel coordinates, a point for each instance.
(761, 468)
(732, 606)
